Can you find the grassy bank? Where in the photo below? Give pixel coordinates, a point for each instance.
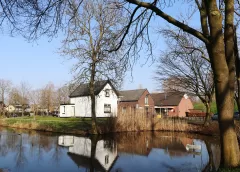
(53, 124)
(124, 122)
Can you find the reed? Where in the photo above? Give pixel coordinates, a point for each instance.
(138, 120)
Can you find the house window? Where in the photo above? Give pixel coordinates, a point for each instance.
(146, 100)
(106, 159)
(107, 108)
(107, 93)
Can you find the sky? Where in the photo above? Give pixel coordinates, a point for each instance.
(38, 63)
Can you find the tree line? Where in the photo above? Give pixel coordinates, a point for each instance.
(45, 99)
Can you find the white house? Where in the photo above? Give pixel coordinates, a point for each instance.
(80, 152)
(80, 101)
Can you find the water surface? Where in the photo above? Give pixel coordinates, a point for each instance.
(144, 151)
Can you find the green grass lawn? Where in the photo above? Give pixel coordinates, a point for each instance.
(55, 123)
(213, 108)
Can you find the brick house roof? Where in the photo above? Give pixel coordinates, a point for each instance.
(131, 95)
(167, 99)
(83, 89)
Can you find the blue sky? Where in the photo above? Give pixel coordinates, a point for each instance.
(39, 63)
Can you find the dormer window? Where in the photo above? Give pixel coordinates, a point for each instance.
(107, 93)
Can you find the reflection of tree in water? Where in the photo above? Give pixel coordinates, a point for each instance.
(94, 140)
(41, 143)
(8, 143)
(21, 159)
(92, 153)
(57, 153)
(214, 154)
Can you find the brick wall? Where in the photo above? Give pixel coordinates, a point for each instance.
(140, 102)
(184, 106)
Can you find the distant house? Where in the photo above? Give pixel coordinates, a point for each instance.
(79, 150)
(18, 108)
(136, 99)
(80, 101)
(173, 104)
(10, 108)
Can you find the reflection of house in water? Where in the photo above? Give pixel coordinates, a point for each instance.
(175, 146)
(80, 152)
(172, 145)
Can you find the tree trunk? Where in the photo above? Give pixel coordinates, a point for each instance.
(93, 101)
(237, 66)
(207, 118)
(22, 111)
(224, 84)
(34, 118)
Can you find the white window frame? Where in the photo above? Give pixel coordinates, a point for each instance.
(108, 106)
(146, 100)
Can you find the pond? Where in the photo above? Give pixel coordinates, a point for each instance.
(145, 151)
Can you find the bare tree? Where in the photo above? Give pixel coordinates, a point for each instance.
(14, 96)
(63, 95)
(24, 95)
(90, 35)
(5, 87)
(184, 67)
(47, 97)
(217, 33)
(35, 99)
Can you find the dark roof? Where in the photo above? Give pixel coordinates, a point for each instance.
(85, 162)
(83, 89)
(167, 99)
(131, 95)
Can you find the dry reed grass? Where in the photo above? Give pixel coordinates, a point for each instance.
(138, 120)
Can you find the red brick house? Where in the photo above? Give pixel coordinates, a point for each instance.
(172, 104)
(139, 99)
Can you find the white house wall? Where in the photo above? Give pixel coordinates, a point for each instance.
(83, 104)
(67, 110)
(101, 99)
(10, 108)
